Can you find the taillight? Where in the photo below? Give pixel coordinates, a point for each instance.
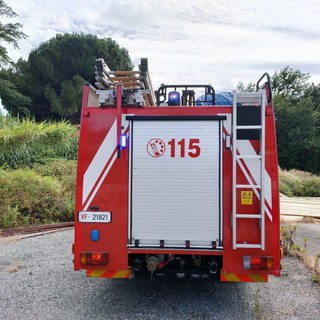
(262, 263)
(94, 258)
(281, 253)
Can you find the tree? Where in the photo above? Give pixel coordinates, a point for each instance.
(313, 91)
(10, 94)
(290, 83)
(9, 32)
(297, 120)
(250, 87)
(54, 74)
(298, 136)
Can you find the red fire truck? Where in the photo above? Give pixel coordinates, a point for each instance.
(174, 186)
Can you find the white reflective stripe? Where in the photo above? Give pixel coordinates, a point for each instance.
(99, 161)
(245, 147)
(254, 189)
(100, 182)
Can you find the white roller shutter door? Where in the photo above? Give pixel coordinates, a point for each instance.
(175, 183)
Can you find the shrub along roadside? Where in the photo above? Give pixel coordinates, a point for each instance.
(295, 183)
(44, 194)
(25, 142)
(37, 181)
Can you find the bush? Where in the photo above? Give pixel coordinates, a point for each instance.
(44, 194)
(37, 177)
(26, 143)
(62, 169)
(299, 183)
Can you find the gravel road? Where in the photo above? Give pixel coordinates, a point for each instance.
(37, 281)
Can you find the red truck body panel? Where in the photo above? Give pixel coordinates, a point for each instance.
(104, 184)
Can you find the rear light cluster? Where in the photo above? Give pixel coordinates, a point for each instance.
(94, 258)
(262, 263)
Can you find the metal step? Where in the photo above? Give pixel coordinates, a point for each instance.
(248, 215)
(249, 127)
(248, 156)
(249, 97)
(249, 245)
(248, 186)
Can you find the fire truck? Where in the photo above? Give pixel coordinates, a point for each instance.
(175, 186)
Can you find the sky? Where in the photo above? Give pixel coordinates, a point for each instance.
(215, 42)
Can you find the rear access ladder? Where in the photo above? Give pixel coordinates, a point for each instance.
(257, 98)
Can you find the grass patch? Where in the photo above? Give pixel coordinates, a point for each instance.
(44, 194)
(299, 183)
(288, 235)
(26, 143)
(37, 171)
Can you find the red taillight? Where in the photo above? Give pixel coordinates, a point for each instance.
(94, 258)
(262, 263)
(255, 262)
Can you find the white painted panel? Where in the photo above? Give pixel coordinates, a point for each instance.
(175, 198)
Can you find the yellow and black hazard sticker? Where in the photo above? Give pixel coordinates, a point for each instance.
(235, 277)
(246, 197)
(112, 274)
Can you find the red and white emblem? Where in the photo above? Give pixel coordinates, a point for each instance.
(156, 147)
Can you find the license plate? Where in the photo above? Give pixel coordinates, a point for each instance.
(94, 216)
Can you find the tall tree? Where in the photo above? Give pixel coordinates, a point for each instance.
(298, 134)
(313, 91)
(290, 83)
(9, 32)
(250, 87)
(54, 74)
(297, 120)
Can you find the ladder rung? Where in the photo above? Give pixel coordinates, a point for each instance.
(248, 215)
(249, 156)
(252, 97)
(121, 73)
(248, 245)
(124, 78)
(249, 186)
(249, 127)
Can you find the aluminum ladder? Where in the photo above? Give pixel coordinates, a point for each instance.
(130, 80)
(243, 99)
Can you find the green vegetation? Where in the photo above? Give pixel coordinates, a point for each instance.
(49, 84)
(299, 184)
(297, 109)
(25, 142)
(38, 169)
(9, 32)
(37, 157)
(288, 236)
(31, 198)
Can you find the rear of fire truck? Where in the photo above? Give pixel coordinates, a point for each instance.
(174, 186)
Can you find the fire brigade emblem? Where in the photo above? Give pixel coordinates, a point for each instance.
(156, 147)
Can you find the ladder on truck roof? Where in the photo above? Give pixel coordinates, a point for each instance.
(130, 80)
(240, 100)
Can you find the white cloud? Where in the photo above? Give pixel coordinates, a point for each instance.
(217, 42)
